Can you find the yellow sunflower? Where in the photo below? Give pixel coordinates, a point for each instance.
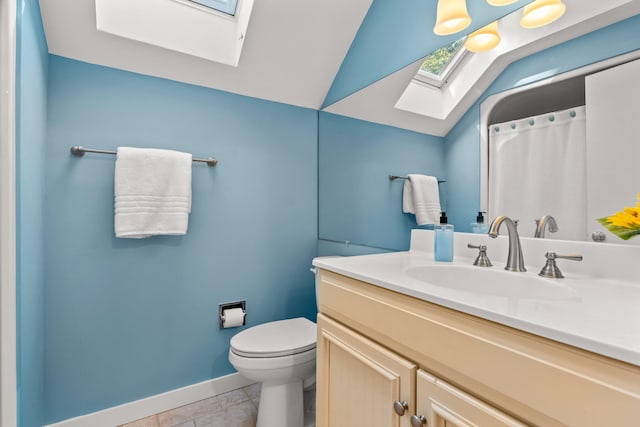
(625, 224)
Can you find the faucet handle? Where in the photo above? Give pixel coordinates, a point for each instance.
(482, 260)
(551, 270)
(572, 257)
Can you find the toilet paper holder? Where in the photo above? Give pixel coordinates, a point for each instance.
(229, 305)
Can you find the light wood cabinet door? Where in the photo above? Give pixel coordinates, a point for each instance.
(358, 381)
(443, 405)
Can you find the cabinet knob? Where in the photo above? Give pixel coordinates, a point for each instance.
(400, 406)
(418, 420)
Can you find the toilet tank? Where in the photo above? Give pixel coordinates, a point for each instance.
(314, 271)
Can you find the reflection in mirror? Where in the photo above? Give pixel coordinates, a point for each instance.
(442, 103)
(439, 65)
(537, 168)
(552, 149)
(449, 117)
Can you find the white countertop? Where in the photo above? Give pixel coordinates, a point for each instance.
(598, 314)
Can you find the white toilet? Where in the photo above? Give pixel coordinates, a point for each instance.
(282, 356)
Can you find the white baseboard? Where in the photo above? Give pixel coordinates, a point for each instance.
(142, 408)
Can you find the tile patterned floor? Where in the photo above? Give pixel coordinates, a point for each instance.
(238, 408)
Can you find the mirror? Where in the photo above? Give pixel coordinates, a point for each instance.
(446, 144)
(565, 147)
(548, 81)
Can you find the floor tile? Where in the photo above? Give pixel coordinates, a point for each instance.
(237, 408)
(151, 421)
(253, 391)
(184, 414)
(243, 414)
(232, 398)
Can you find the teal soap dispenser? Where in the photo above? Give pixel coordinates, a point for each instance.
(443, 247)
(480, 226)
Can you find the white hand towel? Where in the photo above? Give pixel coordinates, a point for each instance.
(421, 196)
(152, 192)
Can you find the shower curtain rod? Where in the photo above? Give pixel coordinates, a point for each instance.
(78, 150)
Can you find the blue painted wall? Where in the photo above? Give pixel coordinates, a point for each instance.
(125, 318)
(31, 122)
(463, 141)
(331, 248)
(395, 34)
(357, 201)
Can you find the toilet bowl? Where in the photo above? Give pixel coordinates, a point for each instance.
(282, 356)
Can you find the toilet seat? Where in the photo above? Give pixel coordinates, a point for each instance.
(275, 339)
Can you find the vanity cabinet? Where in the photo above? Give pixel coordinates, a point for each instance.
(363, 383)
(362, 380)
(377, 348)
(443, 405)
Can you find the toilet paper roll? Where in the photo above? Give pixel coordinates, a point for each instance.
(232, 317)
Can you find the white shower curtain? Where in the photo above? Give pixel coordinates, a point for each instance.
(537, 166)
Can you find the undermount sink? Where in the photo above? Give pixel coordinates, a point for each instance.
(491, 282)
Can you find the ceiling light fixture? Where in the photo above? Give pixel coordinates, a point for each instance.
(452, 17)
(542, 12)
(500, 2)
(486, 38)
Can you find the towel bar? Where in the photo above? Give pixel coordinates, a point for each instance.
(394, 177)
(78, 150)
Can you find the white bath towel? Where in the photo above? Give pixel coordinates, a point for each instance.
(152, 192)
(421, 196)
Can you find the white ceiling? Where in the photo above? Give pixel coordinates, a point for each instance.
(292, 50)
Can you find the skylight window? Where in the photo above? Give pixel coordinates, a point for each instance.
(225, 6)
(210, 29)
(439, 65)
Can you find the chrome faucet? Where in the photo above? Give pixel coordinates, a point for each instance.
(515, 260)
(542, 223)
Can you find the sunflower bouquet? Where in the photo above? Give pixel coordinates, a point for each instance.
(625, 224)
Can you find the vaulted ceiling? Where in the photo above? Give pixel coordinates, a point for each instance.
(292, 49)
(330, 54)
(395, 34)
(398, 100)
(296, 52)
